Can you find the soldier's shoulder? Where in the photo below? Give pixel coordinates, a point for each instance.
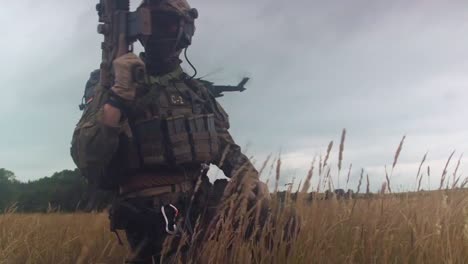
(91, 87)
(92, 83)
(94, 76)
(201, 86)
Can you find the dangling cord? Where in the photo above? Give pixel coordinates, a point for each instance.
(190, 63)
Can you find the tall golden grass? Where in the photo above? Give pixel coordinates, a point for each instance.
(417, 227)
(425, 227)
(57, 238)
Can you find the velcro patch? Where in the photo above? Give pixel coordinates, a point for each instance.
(176, 99)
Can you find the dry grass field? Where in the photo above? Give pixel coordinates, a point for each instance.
(421, 227)
(417, 227)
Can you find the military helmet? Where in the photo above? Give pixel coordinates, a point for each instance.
(180, 9)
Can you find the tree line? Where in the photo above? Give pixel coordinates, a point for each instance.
(64, 191)
(68, 191)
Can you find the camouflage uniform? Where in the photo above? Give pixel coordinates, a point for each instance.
(111, 156)
(153, 158)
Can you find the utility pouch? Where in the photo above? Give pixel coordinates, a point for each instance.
(133, 154)
(121, 215)
(179, 140)
(204, 137)
(137, 212)
(151, 141)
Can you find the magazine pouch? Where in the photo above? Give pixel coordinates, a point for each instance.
(180, 151)
(204, 138)
(151, 140)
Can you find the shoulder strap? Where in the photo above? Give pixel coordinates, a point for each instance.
(210, 102)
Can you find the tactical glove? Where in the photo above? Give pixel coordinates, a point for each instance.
(260, 192)
(128, 70)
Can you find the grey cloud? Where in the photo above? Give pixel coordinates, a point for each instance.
(379, 68)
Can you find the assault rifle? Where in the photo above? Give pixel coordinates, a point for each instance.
(121, 28)
(218, 90)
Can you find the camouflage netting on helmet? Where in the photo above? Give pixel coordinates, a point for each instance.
(181, 7)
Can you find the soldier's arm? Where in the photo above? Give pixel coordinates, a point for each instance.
(111, 115)
(96, 137)
(234, 164)
(231, 160)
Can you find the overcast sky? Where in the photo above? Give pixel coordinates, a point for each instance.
(381, 69)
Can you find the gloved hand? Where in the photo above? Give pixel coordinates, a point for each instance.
(260, 192)
(125, 69)
(255, 190)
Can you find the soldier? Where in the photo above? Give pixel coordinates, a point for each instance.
(151, 139)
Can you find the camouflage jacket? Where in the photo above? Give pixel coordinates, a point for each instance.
(100, 151)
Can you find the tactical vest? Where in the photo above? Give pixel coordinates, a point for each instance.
(171, 124)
